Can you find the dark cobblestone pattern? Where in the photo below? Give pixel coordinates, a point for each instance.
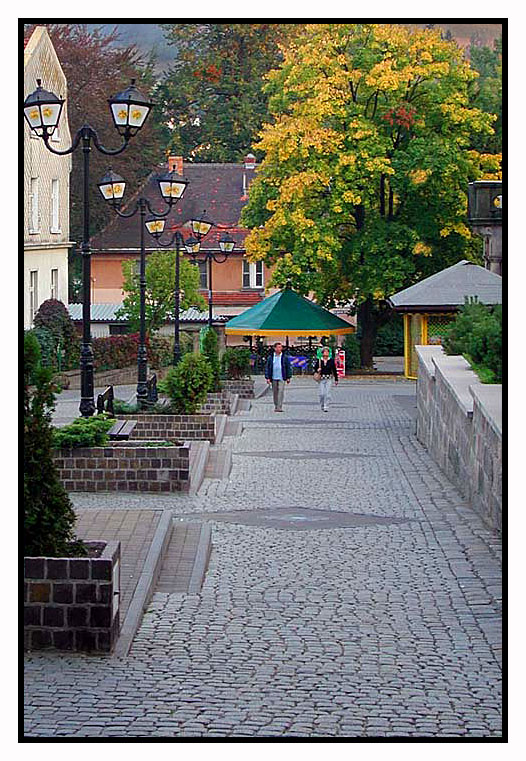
(173, 427)
(374, 631)
(125, 468)
(69, 602)
(456, 430)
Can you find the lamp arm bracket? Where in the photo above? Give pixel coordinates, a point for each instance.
(108, 151)
(73, 146)
(157, 213)
(125, 214)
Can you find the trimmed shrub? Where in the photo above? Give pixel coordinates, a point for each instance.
(210, 350)
(187, 384)
(476, 333)
(83, 432)
(235, 363)
(48, 347)
(351, 346)
(54, 317)
(49, 519)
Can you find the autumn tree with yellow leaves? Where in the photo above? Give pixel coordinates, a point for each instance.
(367, 156)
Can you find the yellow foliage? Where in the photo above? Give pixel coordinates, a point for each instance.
(422, 248)
(418, 176)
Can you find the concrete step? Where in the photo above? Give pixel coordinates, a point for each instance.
(219, 463)
(234, 428)
(198, 460)
(186, 559)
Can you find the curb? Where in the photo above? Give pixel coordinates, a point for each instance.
(202, 449)
(202, 556)
(145, 585)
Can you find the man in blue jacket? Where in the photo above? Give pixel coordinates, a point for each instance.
(278, 371)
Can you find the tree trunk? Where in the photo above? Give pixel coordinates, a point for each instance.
(369, 327)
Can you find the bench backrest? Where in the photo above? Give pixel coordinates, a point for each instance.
(106, 398)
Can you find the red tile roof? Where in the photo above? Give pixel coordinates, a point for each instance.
(237, 298)
(218, 189)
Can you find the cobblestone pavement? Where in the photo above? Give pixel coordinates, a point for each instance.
(374, 629)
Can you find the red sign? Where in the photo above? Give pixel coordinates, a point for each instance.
(340, 363)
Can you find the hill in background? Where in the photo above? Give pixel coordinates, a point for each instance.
(150, 37)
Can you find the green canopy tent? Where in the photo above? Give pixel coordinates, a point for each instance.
(287, 313)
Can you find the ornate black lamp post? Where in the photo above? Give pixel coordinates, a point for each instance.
(200, 227)
(112, 188)
(155, 227)
(129, 110)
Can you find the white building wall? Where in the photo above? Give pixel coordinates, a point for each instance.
(45, 249)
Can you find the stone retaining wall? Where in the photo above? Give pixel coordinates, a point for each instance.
(173, 427)
(244, 387)
(217, 403)
(459, 421)
(122, 377)
(72, 603)
(125, 467)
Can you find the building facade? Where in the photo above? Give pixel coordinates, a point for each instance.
(219, 191)
(46, 187)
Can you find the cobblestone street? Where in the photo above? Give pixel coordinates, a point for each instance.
(351, 592)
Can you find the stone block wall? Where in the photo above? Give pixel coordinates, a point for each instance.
(173, 427)
(122, 376)
(217, 403)
(459, 421)
(244, 387)
(72, 603)
(125, 467)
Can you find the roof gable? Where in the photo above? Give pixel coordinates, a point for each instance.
(450, 286)
(219, 190)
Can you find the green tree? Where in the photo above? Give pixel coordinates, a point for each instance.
(212, 96)
(486, 91)
(49, 519)
(97, 67)
(367, 156)
(160, 284)
(210, 350)
(187, 384)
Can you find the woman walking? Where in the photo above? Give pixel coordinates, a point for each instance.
(326, 367)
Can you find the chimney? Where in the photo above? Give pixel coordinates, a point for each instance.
(175, 164)
(250, 161)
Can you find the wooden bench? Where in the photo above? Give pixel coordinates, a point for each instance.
(121, 430)
(106, 398)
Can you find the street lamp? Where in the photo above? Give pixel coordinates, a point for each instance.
(156, 228)
(129, 110)
(112, 188)
(200, 227)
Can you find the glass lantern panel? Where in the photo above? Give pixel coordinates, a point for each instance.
(33, 116)
(51, 114)
(120, 113)
(118, 189)
(137, 115)
(177, 189)
(199, 227)
(155, 226)
(227, 246)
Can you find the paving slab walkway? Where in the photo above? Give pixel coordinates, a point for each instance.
(381, 618)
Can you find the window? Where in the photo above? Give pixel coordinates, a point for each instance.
(252, 274)
(203, 275)
(55, 199)
(54, 284)
(33, 294)
(33, 206)
(119, 330)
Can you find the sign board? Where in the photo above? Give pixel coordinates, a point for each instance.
(340, 363)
